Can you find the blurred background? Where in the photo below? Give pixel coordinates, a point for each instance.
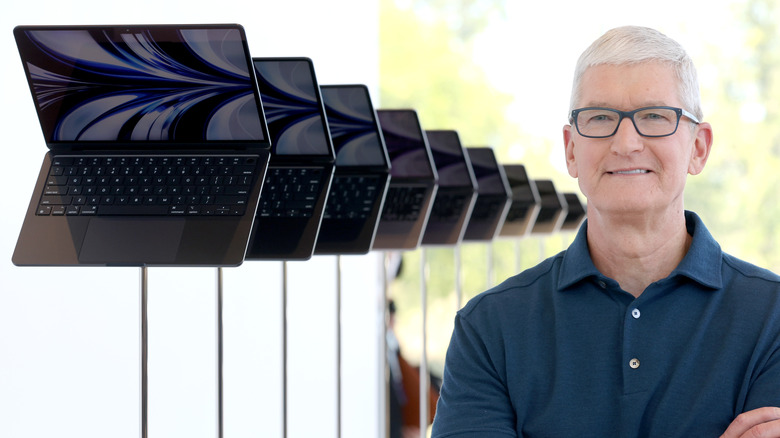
(499, 72)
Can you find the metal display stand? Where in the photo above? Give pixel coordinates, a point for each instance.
(284, 349)
(424, 377)
(144, 335)
(384, 376)
(220, 405)
(338, 346)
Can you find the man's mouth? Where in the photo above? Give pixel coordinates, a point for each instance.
(629, 172)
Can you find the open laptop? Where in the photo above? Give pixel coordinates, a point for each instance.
(493, 196)
(457, 189)
(575, 213)
(157, 145)
(553, 209)
(302, 160)
(413, 182)
(525, 202)
(362, 173)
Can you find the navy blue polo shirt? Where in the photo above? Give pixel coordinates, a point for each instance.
(561, 351)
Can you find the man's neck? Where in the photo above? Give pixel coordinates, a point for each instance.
(637, 251)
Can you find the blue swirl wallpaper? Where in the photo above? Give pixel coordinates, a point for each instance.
(448, 156)
(293, 108)
(143, 84)
(353, 127)
(405, 143)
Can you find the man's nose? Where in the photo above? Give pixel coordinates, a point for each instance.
(627, 139)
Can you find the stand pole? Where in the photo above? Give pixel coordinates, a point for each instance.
(458, 279)
(220, 405)
(490, 275)
(144, 355)
(284, 349)
(338, 345)
(384, 375)
(424, 379)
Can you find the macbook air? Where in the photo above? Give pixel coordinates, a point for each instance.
(157, 145)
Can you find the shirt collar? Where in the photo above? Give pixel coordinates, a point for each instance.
(701, 263)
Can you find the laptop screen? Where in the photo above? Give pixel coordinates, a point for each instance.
(353, 126)
(293, 106)
(406, 143)
(519, 183)
(449, 159)
(185, 84)
(483, 161)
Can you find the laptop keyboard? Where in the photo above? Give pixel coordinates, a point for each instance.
(148, 185)
(290, 192)
(517, 211)
(448, 206)
(403, 203)
(351, 197)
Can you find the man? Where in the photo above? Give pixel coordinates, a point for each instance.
(642, 327)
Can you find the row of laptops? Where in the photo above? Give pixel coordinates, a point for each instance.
(170, 145)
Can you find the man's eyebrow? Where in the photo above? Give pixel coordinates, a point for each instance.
(608, 105)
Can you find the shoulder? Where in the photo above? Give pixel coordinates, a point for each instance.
(741, 270)
(518, 291)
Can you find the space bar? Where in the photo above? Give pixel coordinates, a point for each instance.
(133, 210)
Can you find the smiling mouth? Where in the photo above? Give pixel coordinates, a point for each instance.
(629, 172)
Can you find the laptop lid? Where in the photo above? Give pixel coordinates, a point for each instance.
(575, 213)
(142, 91)
(413, 180)
(525, 202)
(553, 208)
(143, 87)
(457, 189)
(362, 171)
(493, 197)
(302, 159)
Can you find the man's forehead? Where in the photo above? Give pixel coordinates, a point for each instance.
(629, 85)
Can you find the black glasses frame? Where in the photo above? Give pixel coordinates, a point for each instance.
(630, 115)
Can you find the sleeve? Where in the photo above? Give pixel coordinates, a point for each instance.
(474, 400)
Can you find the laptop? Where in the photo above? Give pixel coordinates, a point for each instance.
(457, 189)
(157, 145)
(525, 202)
(553, 209)
(302, 160)
(493, 196)
(362, 174)
(575, 213)
(413, 182)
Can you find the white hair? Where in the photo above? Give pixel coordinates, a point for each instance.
(634, 45)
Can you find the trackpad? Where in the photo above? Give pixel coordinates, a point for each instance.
(135, 241)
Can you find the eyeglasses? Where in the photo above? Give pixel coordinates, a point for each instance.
(651, 121)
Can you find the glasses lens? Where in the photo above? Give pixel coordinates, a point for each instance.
(597, 122)
(656, 121)
(653, 122)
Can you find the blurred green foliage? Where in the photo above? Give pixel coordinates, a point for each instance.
(426, 63)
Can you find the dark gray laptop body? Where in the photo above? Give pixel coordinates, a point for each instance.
(553, 208)
(525, 202)
(413, 182)
(575, 212)
(129, 105)
(457, 190)
(362, 174)
(493, 196)
(302, 160)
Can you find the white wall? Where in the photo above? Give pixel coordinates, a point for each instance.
(69, 337)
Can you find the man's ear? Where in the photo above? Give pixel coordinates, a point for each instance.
(568, 143)
(702, 145)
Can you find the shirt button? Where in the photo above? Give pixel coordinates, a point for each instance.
(634, 363)
(636, 313)
(602, 285)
